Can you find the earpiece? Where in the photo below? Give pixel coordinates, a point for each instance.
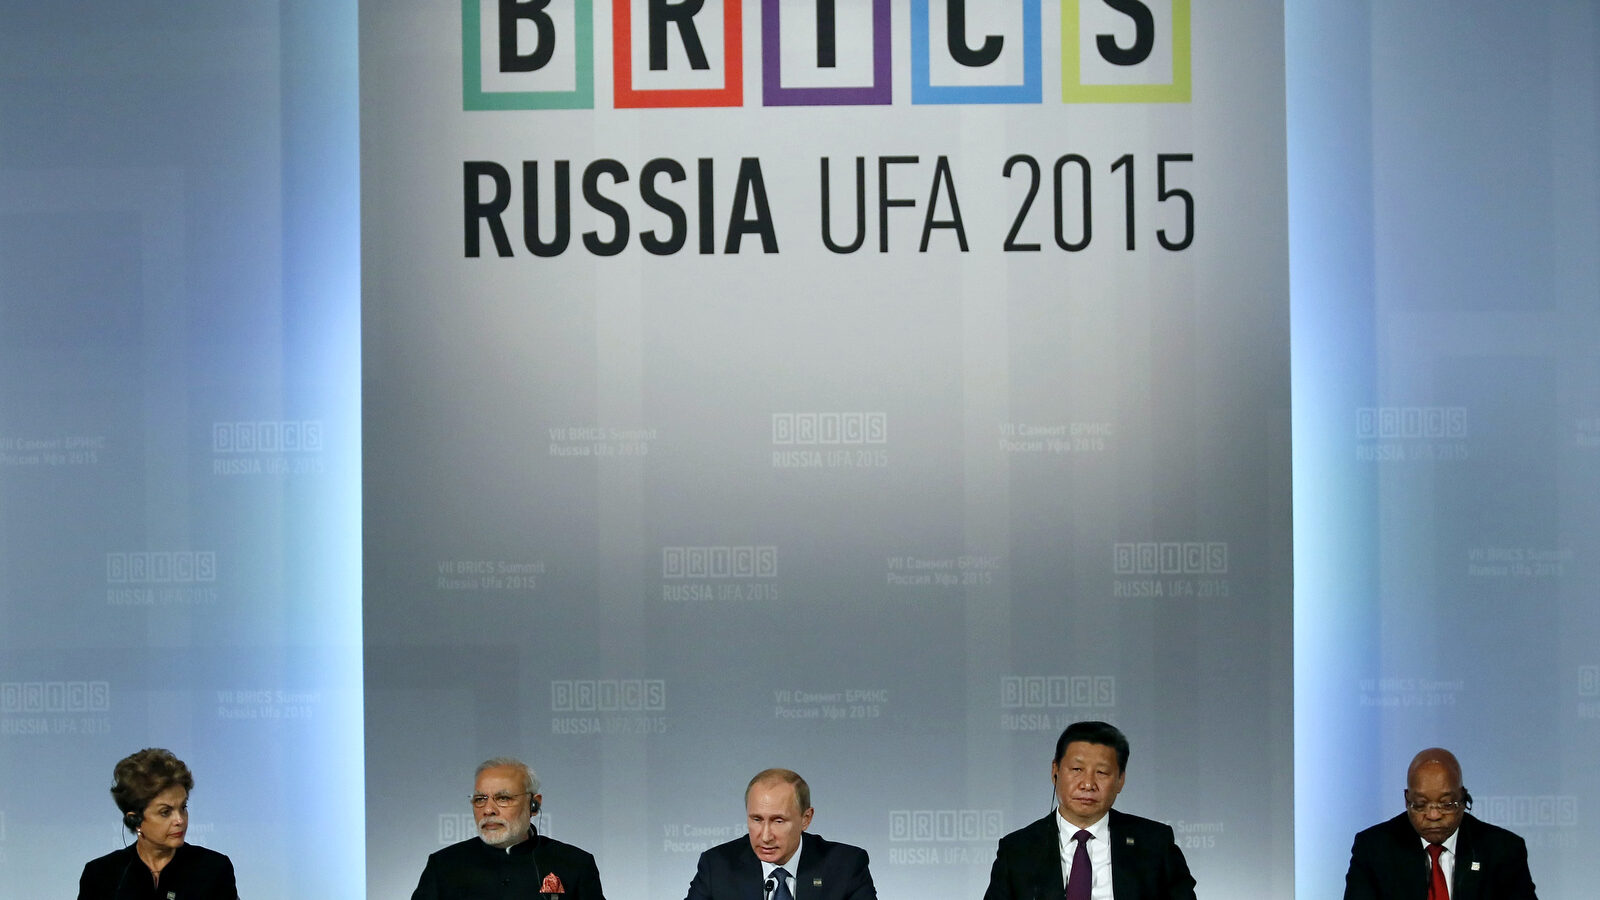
(535, 808)
(132, 820)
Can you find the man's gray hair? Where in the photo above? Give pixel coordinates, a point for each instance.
(529, 779)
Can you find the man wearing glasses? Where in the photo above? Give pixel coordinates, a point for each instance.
(508, 858)
(1435, 850)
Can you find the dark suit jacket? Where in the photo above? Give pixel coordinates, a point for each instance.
(1146, 863)
(194, 873)
(732, 871)
(1387, 862)
(473, 870)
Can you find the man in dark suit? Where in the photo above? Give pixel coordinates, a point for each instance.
(1085, 849)
(1435, 849)
(780, 860)
(508, 858)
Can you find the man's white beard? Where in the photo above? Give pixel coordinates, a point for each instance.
(514, 833)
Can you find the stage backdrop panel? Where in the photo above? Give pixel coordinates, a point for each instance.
(180, 433)
(871, 400)
(1446, 181)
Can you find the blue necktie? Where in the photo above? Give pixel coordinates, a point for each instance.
(1080, 881)
(780, 891)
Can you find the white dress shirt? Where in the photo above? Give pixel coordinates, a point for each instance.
(1099, 853)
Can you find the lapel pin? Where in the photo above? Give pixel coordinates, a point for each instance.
(1128, 841)
(817, 882)
(1474, 865)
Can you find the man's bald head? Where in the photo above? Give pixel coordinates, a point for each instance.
(1434, 795)
(1436, 755)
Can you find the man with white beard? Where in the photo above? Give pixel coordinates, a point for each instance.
(508, 858)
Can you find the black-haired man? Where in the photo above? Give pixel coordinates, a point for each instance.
(1085, 847)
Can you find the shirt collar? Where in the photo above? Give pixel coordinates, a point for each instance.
(1100, 828)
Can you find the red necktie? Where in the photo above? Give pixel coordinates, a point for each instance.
(1437, 890)
(1080, 881)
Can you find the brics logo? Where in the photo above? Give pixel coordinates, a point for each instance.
(541, 54)
(1057, 691)
(830, 428)
(267, 437)
(1171, 558)
(945, 825)
(55, 697)
(759, 561)
(1411, 422)
(1521, 811)
(609, 695)
(163, 567)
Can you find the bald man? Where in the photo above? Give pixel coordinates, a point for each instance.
(1474, 860)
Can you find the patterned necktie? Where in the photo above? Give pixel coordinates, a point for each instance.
(1437, 890)
(780, 891)
(1080, 881)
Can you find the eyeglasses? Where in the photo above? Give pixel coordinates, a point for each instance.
(479, 801)
(1445, 808)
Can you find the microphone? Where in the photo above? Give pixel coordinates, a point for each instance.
(768, 888)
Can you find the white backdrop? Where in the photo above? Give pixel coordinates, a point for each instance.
(178, 273)
(180, 433)
(1445, 188)
(691, 493)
